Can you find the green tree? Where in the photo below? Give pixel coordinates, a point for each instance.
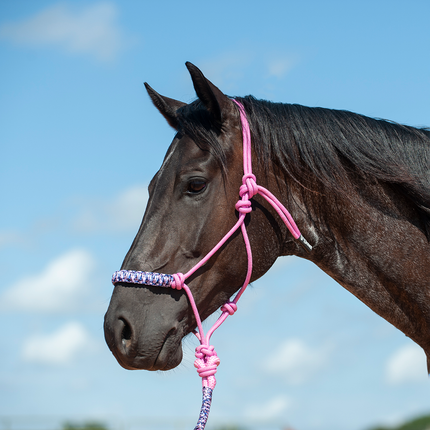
(420, 423)
(89, 425)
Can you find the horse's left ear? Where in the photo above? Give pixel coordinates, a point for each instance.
(166, 106)
(215, 101)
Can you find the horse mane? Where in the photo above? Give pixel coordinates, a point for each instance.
(330, 148)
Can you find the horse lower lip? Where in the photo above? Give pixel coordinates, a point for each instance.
(169, 356)
(137, 363)
(166, 358)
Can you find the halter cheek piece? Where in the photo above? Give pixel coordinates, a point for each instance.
(207, 360)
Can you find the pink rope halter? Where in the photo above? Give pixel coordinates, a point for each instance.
(207, 360)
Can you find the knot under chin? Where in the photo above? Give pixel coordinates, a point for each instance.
(203, 351)
(206, 364)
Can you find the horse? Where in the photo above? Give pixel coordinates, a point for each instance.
(357, 187)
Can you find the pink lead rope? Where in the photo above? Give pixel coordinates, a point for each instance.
(207, 360)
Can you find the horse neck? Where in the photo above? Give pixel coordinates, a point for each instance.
(377, 249)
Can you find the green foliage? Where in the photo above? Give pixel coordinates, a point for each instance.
(90, 425)
(421, 423)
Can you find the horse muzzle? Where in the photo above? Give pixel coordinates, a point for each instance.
(143, 327)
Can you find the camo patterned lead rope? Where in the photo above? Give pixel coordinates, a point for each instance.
(205, 409)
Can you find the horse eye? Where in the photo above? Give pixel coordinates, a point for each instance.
(196, 186)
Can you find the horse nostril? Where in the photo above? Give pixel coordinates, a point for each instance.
(126, 334)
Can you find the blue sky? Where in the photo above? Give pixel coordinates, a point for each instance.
(80, 141)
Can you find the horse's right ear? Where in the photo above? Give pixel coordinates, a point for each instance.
(166, 106)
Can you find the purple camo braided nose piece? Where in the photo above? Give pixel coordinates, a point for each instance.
(143, 278)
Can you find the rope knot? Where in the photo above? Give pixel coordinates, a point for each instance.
(243, 206)
(249, 185)
(178, 281)
(206, 364)
(203, 351)
(247, 190)
(229, 307)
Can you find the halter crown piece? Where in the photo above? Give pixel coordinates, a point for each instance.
(207, 360)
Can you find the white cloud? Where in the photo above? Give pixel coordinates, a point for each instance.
(59, 347)
(87, 30)
(56, 288)
(407, 365)
(295, 361)
(122, 213)
(270, 410)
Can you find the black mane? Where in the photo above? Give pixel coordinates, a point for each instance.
(329, 147)
(334, 146)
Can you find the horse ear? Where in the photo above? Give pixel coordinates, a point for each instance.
(166, 106)
(215, 101)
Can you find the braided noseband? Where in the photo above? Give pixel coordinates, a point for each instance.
(207, 360)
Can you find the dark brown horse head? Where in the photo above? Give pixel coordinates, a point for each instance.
(358, 188)
(190, 208)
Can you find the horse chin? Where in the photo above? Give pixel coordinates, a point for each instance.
(164, 361)
(168, 357)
